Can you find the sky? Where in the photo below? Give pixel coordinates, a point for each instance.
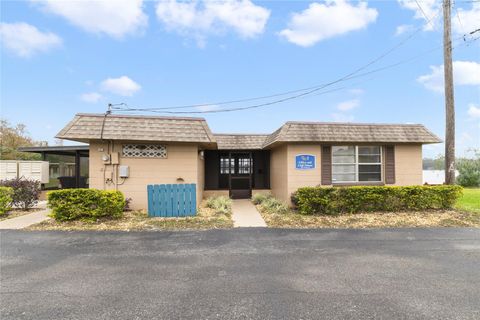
(59, 58)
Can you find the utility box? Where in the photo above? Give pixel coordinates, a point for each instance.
(32, 170)
(123, 171)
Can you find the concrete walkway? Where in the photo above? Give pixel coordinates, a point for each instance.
(246, 215)
(25, 220)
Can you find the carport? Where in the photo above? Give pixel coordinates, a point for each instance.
(68, 164)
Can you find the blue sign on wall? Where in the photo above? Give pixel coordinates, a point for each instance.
(305, 161)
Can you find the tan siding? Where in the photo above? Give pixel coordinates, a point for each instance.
(408, 165)
(182, 162)
(278, 172)
(302, 178)
(200, 177)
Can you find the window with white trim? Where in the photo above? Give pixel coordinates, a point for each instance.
(356, 164)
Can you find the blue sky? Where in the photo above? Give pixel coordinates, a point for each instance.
(59, 58)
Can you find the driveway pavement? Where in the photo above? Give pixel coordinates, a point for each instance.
(250, 273)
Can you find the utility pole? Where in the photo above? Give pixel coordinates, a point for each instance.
(449, 100)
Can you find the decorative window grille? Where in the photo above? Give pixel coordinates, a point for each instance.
(144, 151)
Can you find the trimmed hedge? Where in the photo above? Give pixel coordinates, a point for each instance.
(335, 200)
(85, 204)
(6, 194)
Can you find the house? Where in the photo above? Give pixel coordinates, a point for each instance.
(129, 152)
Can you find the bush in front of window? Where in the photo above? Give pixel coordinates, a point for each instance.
(355, 199)
(85, 204)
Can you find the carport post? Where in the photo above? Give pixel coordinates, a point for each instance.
(77, 169)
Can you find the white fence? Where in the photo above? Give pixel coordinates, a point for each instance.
(34, 170)
(435, 176)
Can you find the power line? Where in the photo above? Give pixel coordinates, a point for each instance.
(346, 78)
(429, 21)
(308, 89)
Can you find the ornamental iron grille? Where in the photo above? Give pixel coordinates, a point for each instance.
(144, 151)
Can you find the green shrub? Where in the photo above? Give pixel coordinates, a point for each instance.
(335, 200)
(272, 205)
(258, 198)
(85, 204)
(220, 204)
(6, 194)
(25, 192)
(269, 204)
(469, 172)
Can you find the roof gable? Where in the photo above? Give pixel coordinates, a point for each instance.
(85, 127)
(350, 132)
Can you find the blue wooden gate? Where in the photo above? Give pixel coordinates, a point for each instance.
(172, 200)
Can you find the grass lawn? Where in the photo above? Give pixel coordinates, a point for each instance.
(470, 201)
(137, 220)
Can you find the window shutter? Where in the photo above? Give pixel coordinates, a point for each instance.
(326, 168)
(390, 164)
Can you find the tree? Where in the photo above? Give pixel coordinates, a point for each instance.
(13, 137)
(469, 170)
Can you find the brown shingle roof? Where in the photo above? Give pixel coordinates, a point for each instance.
(240, 141)
(85, 127)
(350, 132)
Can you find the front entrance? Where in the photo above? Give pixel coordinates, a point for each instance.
(237, 171)
(240, 165)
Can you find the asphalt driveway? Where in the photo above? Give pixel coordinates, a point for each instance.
(241, 274)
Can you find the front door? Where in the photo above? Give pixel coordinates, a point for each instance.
(240, 178)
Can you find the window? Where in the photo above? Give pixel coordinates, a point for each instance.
(356, 164)
(225, 168)
(144, 151)
(244, 165)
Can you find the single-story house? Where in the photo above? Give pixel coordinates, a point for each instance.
(129, 152)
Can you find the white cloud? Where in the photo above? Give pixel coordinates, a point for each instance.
(404, 28)
(115, 18)
(25, 40)
(473, 111)
(91, 97)
(201, 18)
(348, 105)
(321, 21)
(467, 20)
(430, 9)
(464, 73)
(123, 86)
(341, 117)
